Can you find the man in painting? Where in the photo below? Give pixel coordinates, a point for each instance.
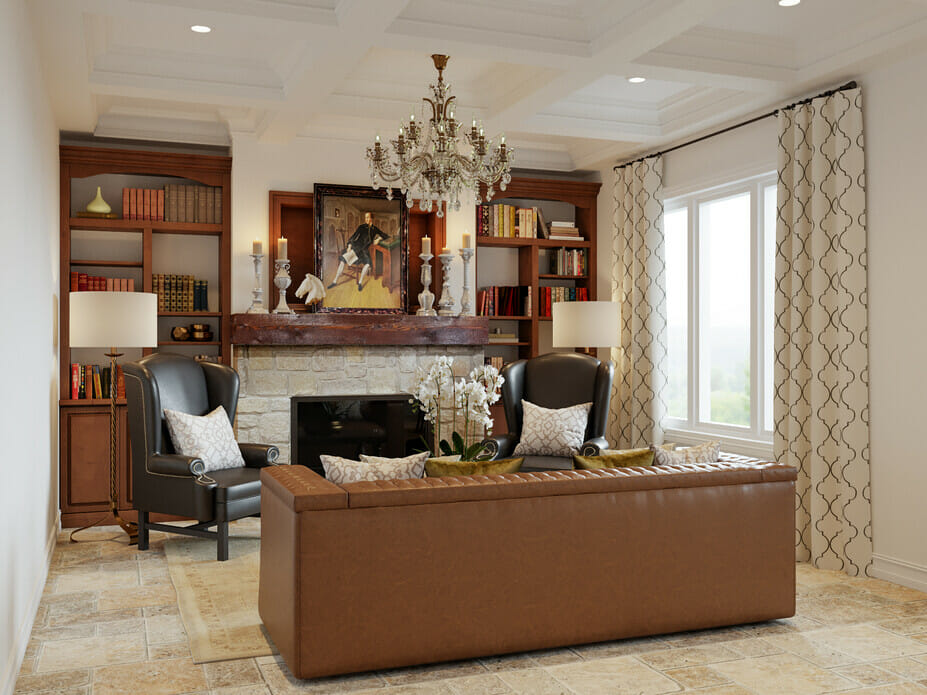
(357, 251)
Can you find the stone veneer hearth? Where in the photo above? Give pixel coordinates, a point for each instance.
(271, 374)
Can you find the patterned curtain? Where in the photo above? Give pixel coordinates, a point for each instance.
(639, 287)
(821, 367)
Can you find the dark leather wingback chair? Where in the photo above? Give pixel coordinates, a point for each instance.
(555, 380)
(166, 482)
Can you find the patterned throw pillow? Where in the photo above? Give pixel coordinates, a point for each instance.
(341, 470)
(552, 431)
(619, 459)
(703, 453)
(209, 437)
(417, 461)
(439, 468)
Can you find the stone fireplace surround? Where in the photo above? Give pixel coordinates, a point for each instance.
(275, 365)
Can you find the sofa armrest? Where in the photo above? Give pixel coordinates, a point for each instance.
(500, 446)
(593, 447)
(176, 465)
(259, 455)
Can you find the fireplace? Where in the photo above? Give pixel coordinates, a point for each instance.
(351, 425)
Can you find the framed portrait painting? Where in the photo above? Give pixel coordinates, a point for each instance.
(361, 244)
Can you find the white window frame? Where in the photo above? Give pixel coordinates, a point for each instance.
(753, 440)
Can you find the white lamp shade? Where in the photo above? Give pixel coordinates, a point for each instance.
(585, 324)
(113, 319)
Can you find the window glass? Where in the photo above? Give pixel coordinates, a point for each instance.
(724, 227)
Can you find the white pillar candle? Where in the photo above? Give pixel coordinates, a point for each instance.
(281, 249)
(257, 248)
(466, 240)
(445, 250)
(426, 245)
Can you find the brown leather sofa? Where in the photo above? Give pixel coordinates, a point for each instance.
(378, 575)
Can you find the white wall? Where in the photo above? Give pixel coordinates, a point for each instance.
(895, 108)
(28, 350)
(260, 168)
(896, 151)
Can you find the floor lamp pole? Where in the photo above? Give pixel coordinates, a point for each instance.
(129, 527)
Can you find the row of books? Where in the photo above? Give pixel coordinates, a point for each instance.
(173, 203)
(501, 300)
(93, 381)
(564, 231)
(181, 292)
(547, 296)
(81, 282)
(494, 362)
(500, 336)
(569, 262)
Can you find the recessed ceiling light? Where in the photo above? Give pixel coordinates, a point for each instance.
(201, 29)
(637, 80)
(788, 3)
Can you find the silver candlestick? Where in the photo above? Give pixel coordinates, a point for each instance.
(281, 282)
(257, 294)
(426, 298)
(446, 303)
(466, 307)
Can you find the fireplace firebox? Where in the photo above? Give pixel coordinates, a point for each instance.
(348, 426)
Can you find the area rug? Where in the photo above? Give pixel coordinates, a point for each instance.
(219, 600)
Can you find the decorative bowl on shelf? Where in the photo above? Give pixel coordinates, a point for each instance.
(180, 333)
(200, 332)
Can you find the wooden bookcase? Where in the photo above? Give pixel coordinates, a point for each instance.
(531, 267)
(139, 249)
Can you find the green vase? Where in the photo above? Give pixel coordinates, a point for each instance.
(98, 204)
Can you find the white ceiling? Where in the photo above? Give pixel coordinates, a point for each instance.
(551, 74)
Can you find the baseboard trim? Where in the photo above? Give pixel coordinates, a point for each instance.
(18, 652)
(899, 572)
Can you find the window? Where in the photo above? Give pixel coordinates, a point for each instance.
(720, 258)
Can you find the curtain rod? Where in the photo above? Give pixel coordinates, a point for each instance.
(849, 85)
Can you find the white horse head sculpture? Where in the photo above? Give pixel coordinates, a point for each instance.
(312, 287)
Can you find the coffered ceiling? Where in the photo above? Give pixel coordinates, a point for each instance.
(551, 74)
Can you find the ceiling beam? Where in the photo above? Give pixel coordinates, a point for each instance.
(360, 25)
(651, 26)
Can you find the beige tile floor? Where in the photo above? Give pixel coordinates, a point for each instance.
(108, 624)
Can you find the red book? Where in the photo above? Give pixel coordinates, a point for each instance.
(75, 281)
(139, 204)
(125, 204)
(160, 215)
(131, 285)
(82, 282)
(133, 205)
(88, 381)
(109, 284)
(146, 202)
(75, 381)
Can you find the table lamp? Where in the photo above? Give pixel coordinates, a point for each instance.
(113, 320)
(585, 324)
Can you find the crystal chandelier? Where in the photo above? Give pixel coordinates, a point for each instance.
(431, 163)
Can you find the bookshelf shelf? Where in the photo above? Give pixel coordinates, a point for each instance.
(189, 342)
(517, 243)
(189, 313)
(108, 264)
(515, 343)
(553, 276)
(202, 250)
(508, 318)
(156, 226)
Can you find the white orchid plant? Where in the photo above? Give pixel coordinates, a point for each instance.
(467, 400)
